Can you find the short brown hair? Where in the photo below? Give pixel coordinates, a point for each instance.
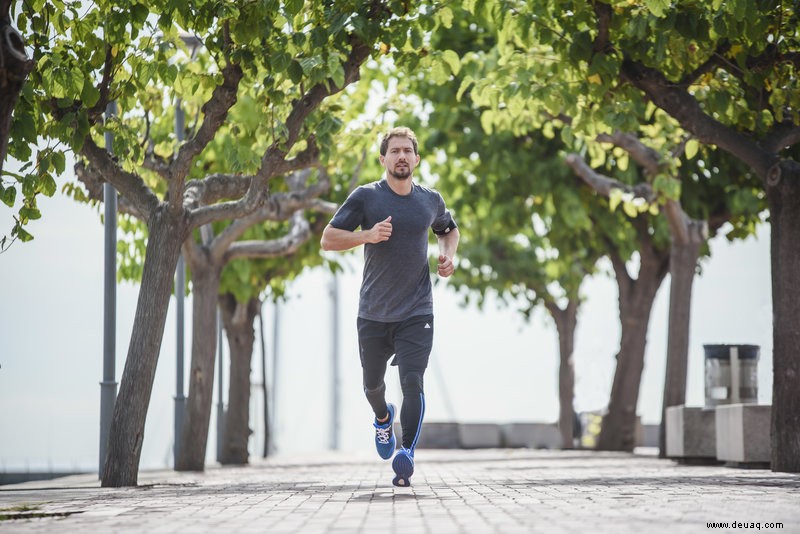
(399, 131)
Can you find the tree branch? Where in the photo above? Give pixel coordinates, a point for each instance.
(219, 186)
(96, 111)
(683, 107)
(299, 233)
(642, 154)
(303, 107)
(716, 59)
(602, 184)
(603, 12)
(279, 206)
(215, 111)
(129, 185)
(782, 136)
(93, 182)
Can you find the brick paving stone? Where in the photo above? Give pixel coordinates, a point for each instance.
(458, 491)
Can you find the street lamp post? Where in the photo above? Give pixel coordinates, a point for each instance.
(108, 387)
(180, 285)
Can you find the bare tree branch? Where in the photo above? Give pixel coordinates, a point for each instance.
(93, 182)
(96, 111)
(279, 206)
(217, 187)
(781, 137)
(215, 111)
(716, 59)
(603, 184)
(299, 233)
(683, 107)
(156, 164)
(603, 12)
(642, 154)
(129, 185)
(275, 155)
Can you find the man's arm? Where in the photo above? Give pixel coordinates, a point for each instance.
(337, 239)
(448, 244)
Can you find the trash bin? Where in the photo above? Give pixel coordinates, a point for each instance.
(731, 374)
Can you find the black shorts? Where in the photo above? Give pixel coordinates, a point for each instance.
(410, 341)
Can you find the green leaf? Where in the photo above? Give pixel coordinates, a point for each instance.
(48, 184)
(657, 7)
(21, 234)
(614, 198)
(295, 72)
(465, 84)
(691, 148)
(438, 73)
(8, 195)
(90, 95)
(452, 60)
(446, 16)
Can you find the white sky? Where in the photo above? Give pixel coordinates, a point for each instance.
(486, 366)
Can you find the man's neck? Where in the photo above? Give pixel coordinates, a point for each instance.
(401, 187)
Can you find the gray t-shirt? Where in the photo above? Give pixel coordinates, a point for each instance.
(396, 281)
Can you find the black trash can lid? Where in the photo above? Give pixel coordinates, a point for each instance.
(722, 352)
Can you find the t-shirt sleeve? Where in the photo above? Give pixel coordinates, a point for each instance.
(350, 214)
(443, 222)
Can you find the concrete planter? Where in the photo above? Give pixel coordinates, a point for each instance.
(743, 434)
(691, 434)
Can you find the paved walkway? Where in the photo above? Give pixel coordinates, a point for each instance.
(479, 491)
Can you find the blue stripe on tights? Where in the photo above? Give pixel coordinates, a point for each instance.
(419, 426)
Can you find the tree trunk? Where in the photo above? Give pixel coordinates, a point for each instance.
(618, 428)
(784, 207)
(14, 69)
(166, 233)
(682, 265)
(205, 288)
(566, 321)
(238, 319)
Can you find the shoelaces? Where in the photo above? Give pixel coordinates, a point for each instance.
(383, 435)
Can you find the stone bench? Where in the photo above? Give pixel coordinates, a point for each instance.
(743, 434)
(690, 434)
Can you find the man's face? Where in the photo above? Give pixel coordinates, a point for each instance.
(400, 160)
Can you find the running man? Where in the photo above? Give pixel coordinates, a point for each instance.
(395, 311)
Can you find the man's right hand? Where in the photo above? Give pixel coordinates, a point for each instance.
(382, 231)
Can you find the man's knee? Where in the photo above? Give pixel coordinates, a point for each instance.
(411, 384)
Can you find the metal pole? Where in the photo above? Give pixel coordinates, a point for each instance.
(335, 362)
(180, 288)
(220, 403)
(276, 328)
(264, 379)
(108, 387)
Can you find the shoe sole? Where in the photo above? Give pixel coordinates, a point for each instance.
(403, 468)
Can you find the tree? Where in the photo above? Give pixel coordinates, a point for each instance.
(725, 71)
(660, 192)
(505, 191)
(291, 57)
(15, 66)
(736, 89)
(14, 70)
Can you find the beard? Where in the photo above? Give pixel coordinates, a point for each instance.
(401, 173)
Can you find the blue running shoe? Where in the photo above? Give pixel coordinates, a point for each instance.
(403, 465)
(384, 437)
